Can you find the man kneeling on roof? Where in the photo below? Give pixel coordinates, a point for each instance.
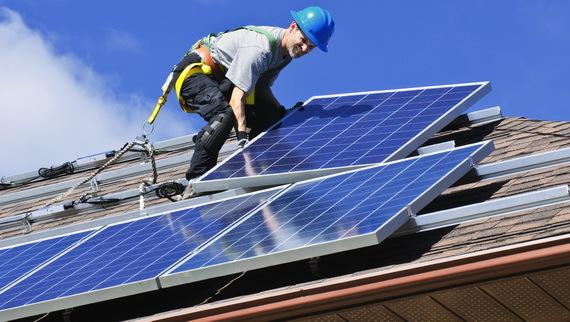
(226, 79)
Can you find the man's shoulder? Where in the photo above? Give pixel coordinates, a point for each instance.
(264, 37)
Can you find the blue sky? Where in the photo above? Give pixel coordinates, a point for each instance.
(113, 56)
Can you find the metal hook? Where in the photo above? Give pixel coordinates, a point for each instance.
(147, 128)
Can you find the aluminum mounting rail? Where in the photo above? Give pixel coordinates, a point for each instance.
(94, 161)
(530, 162)
(486, 209)
(104, 177)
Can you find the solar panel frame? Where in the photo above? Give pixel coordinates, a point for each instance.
(172, 279)
(200, 185)
(132, 288)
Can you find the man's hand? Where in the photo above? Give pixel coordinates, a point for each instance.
(242, 139)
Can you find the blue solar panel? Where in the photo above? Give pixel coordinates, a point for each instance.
(350, 130)
(129, 252)
(16, 261)
(369, 202)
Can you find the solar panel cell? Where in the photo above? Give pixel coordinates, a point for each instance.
(19, 260)
(330, 210)
(348, 130)
(130, 252)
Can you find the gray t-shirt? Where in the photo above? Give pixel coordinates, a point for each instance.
(248, 56)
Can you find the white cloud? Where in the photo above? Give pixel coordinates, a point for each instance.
(118, 40)
(54, 108)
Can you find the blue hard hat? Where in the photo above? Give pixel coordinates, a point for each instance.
(316, 23)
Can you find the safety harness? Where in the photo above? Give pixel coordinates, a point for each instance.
(207, 66)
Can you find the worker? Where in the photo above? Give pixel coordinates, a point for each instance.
(226, 79)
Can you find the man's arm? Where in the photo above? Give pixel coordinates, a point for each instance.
(237, 103)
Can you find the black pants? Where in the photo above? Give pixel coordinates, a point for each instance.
(209, 98)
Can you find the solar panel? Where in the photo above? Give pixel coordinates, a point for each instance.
(347, 130)
(16, 261)
(129, 254)
(327, 215)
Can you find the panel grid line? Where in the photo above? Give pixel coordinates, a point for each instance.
(307, 207)
(281, 140)
(386, 138)
(340, 132)
(324, 127)
(346, 129)
(131, 251)
(70, 241)
(213, 239)
(339, 201)
(366, 204)
(306, 139)
(392, 197)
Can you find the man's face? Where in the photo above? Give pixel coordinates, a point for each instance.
(298, 44)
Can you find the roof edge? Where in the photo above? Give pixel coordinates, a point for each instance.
(353, 290)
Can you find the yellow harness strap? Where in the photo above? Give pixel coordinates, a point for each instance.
(157, 107)
(250, 98)
(187, 72)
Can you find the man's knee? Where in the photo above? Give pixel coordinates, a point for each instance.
(217, 131)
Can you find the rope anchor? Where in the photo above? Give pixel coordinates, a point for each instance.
(140, 141)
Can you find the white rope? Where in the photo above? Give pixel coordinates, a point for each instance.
(93, 175)
(146, 182)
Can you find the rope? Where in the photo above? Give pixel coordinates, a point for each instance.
(222, 288)
(146, 182)
(142, 191)
(150, 152)
(169, 190)
(66, 168)
(124, 150)
(42, 317)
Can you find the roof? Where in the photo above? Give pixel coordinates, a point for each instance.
(531, 226)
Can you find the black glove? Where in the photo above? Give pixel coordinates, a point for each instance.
(242, 139)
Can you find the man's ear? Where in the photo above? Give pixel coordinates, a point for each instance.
(292, 26)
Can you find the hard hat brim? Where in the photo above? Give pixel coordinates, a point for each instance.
(307, 33)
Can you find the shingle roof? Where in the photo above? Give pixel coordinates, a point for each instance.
(513, 137)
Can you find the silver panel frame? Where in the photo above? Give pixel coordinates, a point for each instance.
(290, 177)
(114, 291)
(157, 209)
(80, 299)
(170, 279)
